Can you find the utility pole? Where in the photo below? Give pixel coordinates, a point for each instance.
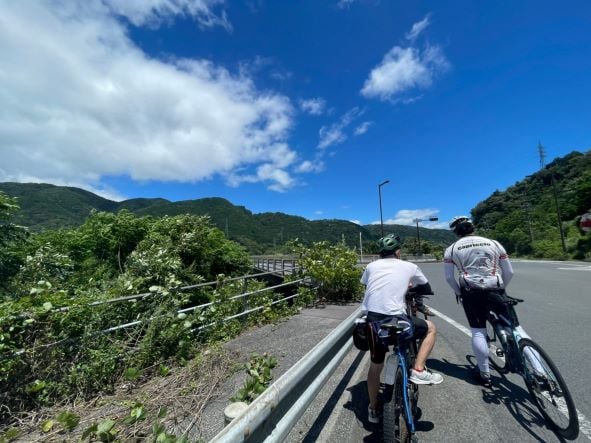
(380, 196)
(542, 154)
(558, 213)
(360, 248)
(526, 208)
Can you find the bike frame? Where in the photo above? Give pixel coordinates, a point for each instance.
(402, 363)
(404, 352)
(515, 357)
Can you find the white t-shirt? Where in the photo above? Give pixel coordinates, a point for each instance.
(480, 263)
(386, 282)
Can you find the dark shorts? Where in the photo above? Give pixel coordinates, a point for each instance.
(478, 303)
(377, 349)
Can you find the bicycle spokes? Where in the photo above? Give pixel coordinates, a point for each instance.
(548, 389)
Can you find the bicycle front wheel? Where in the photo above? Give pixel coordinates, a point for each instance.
(496, 354)
(548, 389)
(395, 426)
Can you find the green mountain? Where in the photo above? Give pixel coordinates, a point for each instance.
(45, 206)
(525, 216)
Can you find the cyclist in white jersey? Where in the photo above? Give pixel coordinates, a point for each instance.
(484, 271)
(387, 281)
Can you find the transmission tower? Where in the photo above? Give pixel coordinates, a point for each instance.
(542, 154)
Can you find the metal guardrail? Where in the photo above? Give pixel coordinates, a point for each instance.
(275, 412)
(246, 311)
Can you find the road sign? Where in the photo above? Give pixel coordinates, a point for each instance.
(585, 222)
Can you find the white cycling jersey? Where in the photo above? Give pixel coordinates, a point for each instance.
(482, 264)
(386, 282)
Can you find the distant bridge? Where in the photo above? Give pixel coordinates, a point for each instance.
(286, 265)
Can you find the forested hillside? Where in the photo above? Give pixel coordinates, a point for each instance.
(524, 217)
(44, 206)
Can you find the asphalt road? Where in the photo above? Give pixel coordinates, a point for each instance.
(555, 314)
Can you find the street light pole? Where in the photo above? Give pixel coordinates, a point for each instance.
(417, 220)
(380, 195)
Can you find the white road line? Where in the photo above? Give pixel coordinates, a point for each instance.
(586, 268)
(452, 322)
(584, 424)
(549, 262)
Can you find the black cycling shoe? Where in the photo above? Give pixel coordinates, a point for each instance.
(482, 378)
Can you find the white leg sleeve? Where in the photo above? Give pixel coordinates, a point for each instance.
(480, 348)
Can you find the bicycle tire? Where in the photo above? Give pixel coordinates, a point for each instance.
(500, 363)
(549, 391)
(395, 426)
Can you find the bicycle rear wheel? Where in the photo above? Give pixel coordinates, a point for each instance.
(395, 426)
(496, 354)
(548, 389)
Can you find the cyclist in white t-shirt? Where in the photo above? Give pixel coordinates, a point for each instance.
(387, 281)
(484, 271)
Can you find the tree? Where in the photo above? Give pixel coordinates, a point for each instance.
(11, 238)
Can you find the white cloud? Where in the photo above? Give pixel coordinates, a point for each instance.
(314, 106)
(404, 70)
(77, 109)
(418, 28)
(280, 180)
(335, 133)
(408, 216)
(344, 3)
(154, 12)
(362, 128)
(308, 166)
(331, 136)
(357, 222)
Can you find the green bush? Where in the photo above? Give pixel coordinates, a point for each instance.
(333, 268)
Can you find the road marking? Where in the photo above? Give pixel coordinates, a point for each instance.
(581, 268)
(547, 262)
(452, 322)
(584, 424)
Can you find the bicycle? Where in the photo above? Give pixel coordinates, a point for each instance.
(525, 357)
(400, 396)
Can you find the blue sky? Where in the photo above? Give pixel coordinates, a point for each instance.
(301, 107)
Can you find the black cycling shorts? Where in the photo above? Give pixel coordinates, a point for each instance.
(478, 303)
(377, 349)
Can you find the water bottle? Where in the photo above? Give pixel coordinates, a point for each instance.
(391, 365)
(503, 335)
